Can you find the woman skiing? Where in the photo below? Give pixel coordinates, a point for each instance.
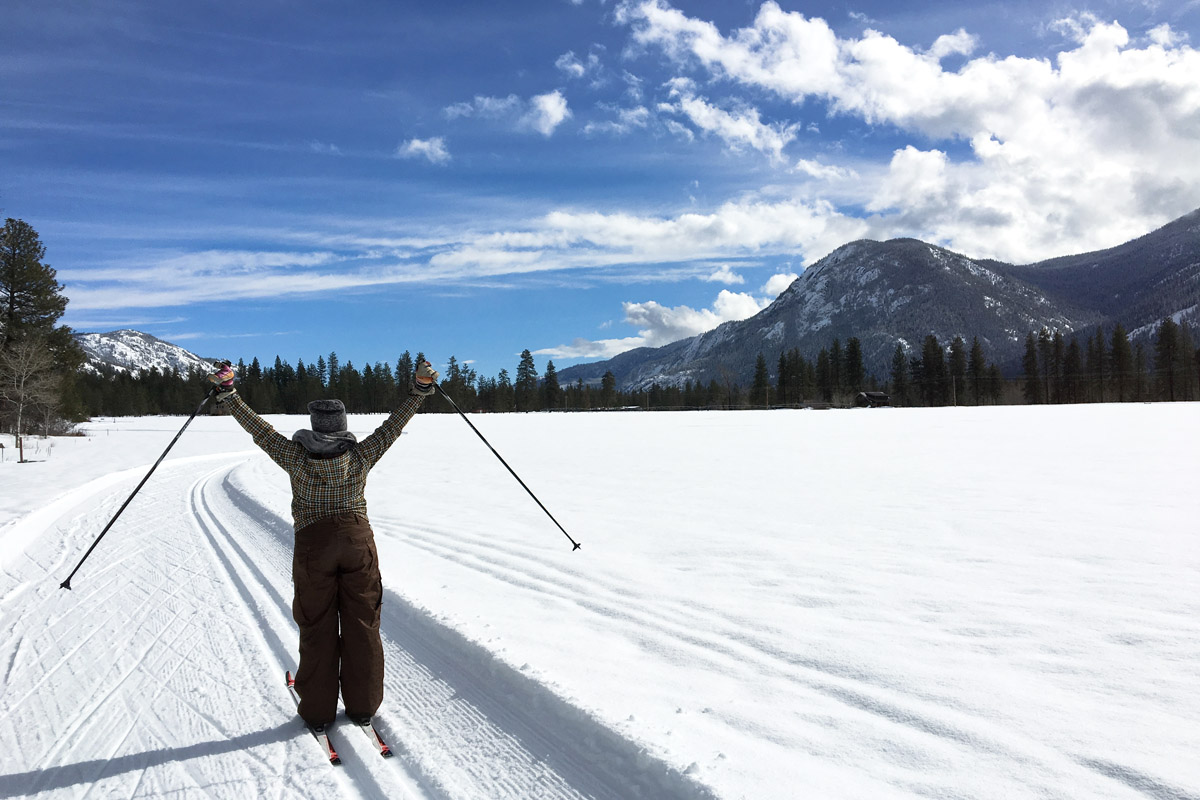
(335, 567)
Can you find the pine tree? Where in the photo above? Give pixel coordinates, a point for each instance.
(526, 386)
(1166, 358)
(760, 391)
(933, 367)
(608, 390)
(505, 399)
(824, 376)
(977, 370)
(1185, 367)
(1032, 388)
(1122, 363)
(899, 375)
(550, 388)
(855, 373)
(1072, 372)
(836, 378)
(31, 299)
(1044, 346)
(958, 369)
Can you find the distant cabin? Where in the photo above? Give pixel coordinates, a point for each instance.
(872, 400)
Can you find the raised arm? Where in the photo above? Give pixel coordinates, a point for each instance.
(282, 450)
(372, 448)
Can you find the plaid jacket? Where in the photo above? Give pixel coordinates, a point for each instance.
(324, 487)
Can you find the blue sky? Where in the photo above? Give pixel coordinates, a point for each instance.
(576, 178)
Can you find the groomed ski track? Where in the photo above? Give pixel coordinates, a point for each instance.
(161, 673)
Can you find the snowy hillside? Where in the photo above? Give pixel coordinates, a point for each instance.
(894, 603)
(134, 351)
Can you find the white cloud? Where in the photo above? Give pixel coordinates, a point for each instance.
(777, 283)
(482, 106)
(542, 113)
(658, 325)
(627, 120)
(546, 112)
(726, 275)
(824, 172)
(575, 68)
(324, 148)
(738, 129)
(1089, 149)
(433, 149)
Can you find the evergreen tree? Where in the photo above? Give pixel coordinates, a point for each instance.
(1073, 372)
(977, 371)
(550, 388)
(1097, 367)
(1166, 358)
(505, 397)
(933, 367)
(1122, 363)
(958, 370)
(855, 373)
(1186, 365)
(760, 391)
(782, 395)
(526, 386)
(1032, 387)
(1044, 347)
(837, 380)
(31, 299)
(608, 390)
(824, 376)
(899, 375)
(404, 372)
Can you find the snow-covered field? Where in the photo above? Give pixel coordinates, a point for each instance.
(966, 603)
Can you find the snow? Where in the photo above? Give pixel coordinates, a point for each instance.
(887, 603)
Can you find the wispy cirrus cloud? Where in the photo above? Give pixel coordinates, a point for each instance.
(542, 113)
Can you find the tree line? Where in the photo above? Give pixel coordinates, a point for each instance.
(43, 387)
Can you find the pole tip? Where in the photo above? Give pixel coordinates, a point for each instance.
(65, 584)
(577, 546)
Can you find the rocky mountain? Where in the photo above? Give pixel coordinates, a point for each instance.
(902, 290)
(136, 352)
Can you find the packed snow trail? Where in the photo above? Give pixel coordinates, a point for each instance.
(161, 674)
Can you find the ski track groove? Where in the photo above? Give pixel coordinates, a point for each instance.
(146, 633)
(367, 782)
(901, 706)
(440, 684)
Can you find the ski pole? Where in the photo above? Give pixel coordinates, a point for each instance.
(510, 469)
(67, 583)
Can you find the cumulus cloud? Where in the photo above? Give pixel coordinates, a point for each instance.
(546, 112)
(576, 68)
(432, 149)
(1090, 148)
(658, 325)
(777, 283)
(725, 274)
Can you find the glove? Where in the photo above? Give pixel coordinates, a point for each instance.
(224, 375)
(222, 380)
(425, 381)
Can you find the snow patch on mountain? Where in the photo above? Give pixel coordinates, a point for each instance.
(136, 352)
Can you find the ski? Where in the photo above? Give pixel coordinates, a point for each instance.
(373, 734)
(320, 734)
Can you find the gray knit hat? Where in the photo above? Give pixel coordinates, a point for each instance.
(327, 416)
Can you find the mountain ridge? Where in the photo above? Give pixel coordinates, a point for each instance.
(901, 290)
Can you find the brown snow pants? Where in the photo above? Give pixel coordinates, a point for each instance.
(338, 594)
